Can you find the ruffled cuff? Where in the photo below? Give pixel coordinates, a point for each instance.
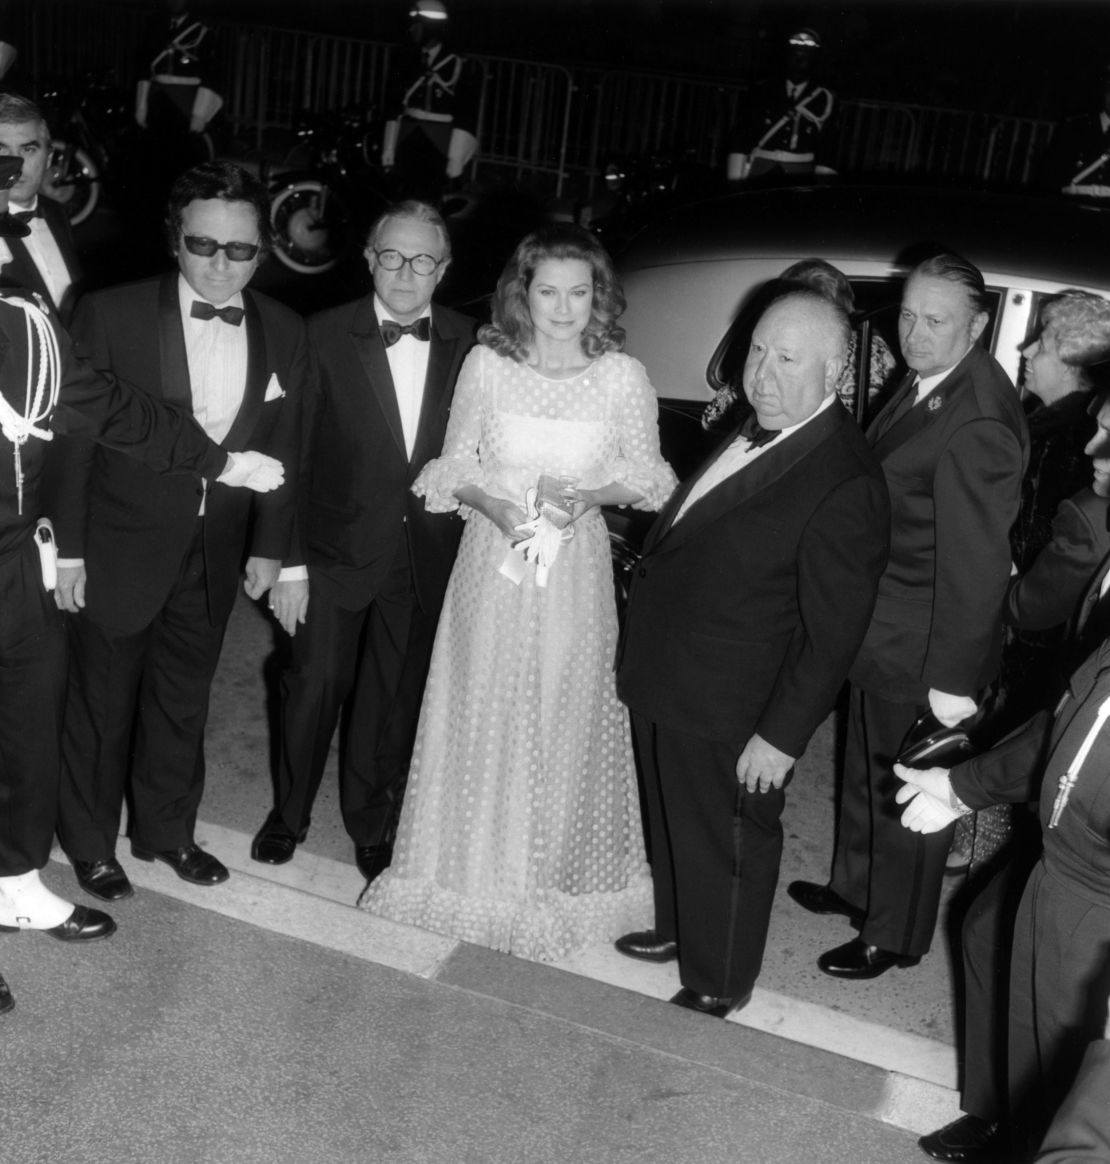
(655, 483)
(439, 480)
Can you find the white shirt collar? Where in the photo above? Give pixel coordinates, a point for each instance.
(925, 384)
(186, 293)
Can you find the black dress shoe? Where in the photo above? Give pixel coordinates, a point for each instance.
(821, 899)
(968, 1140)
(6, 1001)
(275, 844)
(104, 879)
(856, 959)
(83, 925)
(190, 863)
(648, 946)
(372, 860)
(710, 1004)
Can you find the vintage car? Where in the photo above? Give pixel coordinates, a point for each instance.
(697, 278)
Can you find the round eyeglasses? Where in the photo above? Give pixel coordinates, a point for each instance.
(394, 261)
(205, 248)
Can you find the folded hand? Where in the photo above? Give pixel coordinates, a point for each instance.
(251, 470)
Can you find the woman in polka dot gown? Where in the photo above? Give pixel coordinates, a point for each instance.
(521, 823)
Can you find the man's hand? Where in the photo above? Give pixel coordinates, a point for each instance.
(951, 709)
(261, 574)
(289, 602)
(927, 796)
(69, 592)
(762, 766)
(251, 470)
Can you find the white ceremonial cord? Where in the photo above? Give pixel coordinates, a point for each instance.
(41, 389)
(1068, 780)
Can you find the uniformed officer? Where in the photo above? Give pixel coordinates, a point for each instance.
(431, 132)
(780, 131)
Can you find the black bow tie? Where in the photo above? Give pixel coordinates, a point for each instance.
(27, 215)
(756, 435)
(202, 310)
(420, 329)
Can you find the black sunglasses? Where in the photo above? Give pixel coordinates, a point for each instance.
(205, 248)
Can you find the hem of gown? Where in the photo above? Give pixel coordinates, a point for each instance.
(546, 928)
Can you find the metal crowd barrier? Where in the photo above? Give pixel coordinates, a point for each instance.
(540, 123)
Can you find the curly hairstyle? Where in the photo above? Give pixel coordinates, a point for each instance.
(1080, 323)
(223, 180)
(511, 333)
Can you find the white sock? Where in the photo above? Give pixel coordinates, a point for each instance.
(27, 903)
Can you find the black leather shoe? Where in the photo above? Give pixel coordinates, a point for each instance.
(856, 959)
(275, 844)
(372, 860)
(709, 1004)
(821, 899)
(190, 863)
(648, 946)
(968, 1140)
(83, 925)
(104, 879)
(6, 1001)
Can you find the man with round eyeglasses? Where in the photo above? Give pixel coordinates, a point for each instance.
(373, 562)
(150, 566)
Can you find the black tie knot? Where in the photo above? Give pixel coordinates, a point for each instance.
(202, 310)
(420, 329)
(756, 435)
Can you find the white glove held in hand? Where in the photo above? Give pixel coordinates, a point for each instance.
(951, 709)
(927, 795)
(251, 470)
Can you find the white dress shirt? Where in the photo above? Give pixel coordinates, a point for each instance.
(408, 365)
(43, 250)
(739, 455)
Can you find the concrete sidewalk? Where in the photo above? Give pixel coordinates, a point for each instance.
(212, 1028)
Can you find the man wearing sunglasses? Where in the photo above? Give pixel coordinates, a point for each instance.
(377, 561)
(150, 565)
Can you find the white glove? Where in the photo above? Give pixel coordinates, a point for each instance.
(927, 796)
(251, 470)
(951, 709)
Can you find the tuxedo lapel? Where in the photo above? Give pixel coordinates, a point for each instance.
(371, 353)
(771, 466)
(882, 423)
(442, 356)
(22, 271)
(173, 358)
(257, 368)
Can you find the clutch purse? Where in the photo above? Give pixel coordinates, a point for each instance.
(929, 744)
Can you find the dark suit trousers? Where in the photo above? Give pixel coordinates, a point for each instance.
(375, 660)
(892, 874)
(32, 690)
(715, 852)
(141, 695)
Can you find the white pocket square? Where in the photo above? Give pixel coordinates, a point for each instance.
(274, 390)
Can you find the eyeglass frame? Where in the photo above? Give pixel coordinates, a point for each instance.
(209, 248)
(409, 259)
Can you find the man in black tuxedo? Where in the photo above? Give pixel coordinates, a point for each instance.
(74, 400)
(377, 562)
(745, 613)
(151, 565)
(44, 260)
(953, 446)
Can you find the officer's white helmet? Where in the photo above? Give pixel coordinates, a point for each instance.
(428, 10)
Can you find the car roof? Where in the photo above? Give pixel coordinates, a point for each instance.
(1062, 241)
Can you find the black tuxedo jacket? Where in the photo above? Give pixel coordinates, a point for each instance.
(22, 272)
(134, 527)
(357, 477)
(953, 465)
(744, 616)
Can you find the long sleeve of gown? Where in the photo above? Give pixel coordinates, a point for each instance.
(459, 463)
(640, 465)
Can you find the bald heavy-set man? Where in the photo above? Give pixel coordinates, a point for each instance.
(749, 605)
